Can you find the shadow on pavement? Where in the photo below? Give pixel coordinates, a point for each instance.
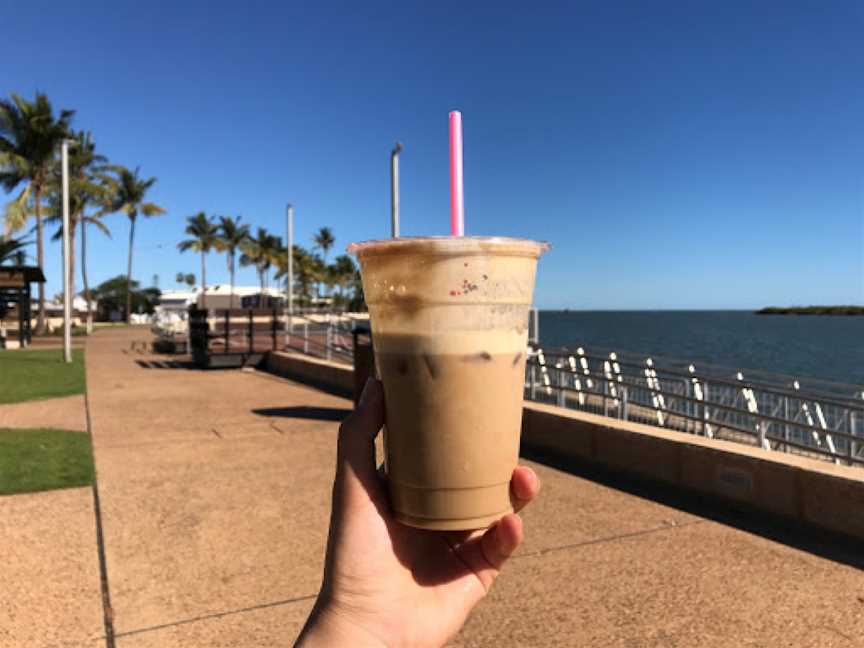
(315, 413)
(166, 364)
(799, 536)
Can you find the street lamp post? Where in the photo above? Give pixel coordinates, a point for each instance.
(67, 271)
(290, 217)
(394, 190)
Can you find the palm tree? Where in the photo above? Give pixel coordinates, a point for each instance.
(342, 271)
(282, 267)
(231, 237)
(308, 271)
(89, 186)
(324, 240)
(188, 279)
(29, 137)
(262, 251)
(129, 193)
(12, 250)
(89, 189)
(357, 303)
(204, 236)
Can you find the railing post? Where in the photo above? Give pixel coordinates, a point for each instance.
(287, 333)
(619, 383)
(688, 406)
(227, 331)
(273, 325)
(625, 407)
(305, 336)
(251, 330)
(533, 381)
(605, 387)
(328, 341)
(853, 449)
(561, 393)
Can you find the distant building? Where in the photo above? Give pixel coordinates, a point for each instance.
(54, 312)
(176, 301)
(219, 297)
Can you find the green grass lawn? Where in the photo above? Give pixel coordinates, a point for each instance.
(37, 374)
(38, 460)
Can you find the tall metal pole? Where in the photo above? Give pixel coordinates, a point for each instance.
(394, 190)
(290, 216)
(67, 273)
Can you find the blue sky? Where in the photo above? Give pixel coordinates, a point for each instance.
(676, 155)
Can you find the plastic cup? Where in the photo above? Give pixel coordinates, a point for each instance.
(449, 319)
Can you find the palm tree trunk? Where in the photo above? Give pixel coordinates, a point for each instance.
(84, 275)
(261, 293)
(40, 258)
(203, 283)
(71, 286)
(231, 273)
(129, 272)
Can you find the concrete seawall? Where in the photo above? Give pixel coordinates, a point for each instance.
(799, 489)
(333, 377)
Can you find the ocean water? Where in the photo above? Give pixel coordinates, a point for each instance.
(824, 347)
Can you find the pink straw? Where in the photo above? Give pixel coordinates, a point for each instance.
(457, 203)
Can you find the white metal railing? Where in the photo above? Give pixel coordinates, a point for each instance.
(774, 412)
(325, 335)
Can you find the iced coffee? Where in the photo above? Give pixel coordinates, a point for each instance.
(449, 320)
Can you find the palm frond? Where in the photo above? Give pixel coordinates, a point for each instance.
(324, 239)
(151, 209)
(98, 224)
(11, 249)
(203, 232)
(17, 211)
(128, 191)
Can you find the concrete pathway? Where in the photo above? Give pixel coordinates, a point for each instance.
(214, 490)
(214, 497)
(49, 571)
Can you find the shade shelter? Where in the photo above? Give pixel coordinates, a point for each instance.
(15, 296)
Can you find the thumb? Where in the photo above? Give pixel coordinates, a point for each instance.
(355, 467)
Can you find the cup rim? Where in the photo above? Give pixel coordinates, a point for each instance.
(455, 245)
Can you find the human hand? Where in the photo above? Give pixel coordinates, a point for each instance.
(387, 584)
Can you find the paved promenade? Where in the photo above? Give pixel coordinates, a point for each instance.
(215, 487)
